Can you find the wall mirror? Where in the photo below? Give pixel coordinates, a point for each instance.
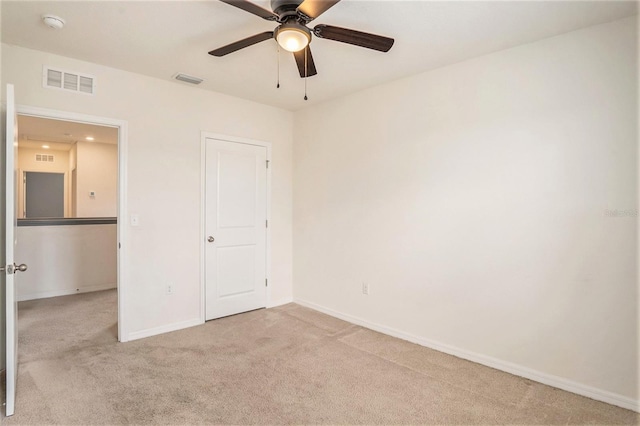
(66, 169)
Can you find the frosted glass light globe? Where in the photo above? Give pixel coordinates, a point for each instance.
(292, 40)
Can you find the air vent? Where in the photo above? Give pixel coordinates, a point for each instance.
(86, 84)
(188, 78)
(67, 80)
(44, 158)
(54, 78)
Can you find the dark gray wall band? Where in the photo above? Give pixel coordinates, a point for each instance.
(68, 221)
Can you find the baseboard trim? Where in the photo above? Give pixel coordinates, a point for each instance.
(64, 292)
(518, 370)
(163, 329)
(273, 304)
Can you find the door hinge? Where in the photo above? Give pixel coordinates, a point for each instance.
(266, 223)
(267, 164)
(119, 245)
(266, 282)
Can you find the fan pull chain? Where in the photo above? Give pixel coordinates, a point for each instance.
(306, 73)
(278, 84)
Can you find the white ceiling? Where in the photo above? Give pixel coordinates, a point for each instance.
(161, 38)
(60, 135)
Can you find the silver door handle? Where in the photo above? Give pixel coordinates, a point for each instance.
(21, 268)
(12, 269)
(211, 239)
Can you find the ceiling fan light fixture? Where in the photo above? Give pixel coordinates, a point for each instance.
(293, 37)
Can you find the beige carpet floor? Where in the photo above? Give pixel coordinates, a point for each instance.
(287, 365)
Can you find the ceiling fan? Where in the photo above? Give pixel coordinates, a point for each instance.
(293, 35)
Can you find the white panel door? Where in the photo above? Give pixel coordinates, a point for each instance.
(235, 227)
(9, 268)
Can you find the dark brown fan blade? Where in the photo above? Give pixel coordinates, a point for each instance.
(311, 66)
(252, 8)
(313, 8)
(241, 44)
(370, 41)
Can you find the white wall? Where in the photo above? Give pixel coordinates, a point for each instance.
(164, 123)
(97, 171)
(86, 252)
(73, 156)
(474, 200)
(73, 164)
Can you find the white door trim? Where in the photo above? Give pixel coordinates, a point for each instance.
(123, 319)
(203, 170)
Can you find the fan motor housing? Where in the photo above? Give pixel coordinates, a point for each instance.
(282, 6)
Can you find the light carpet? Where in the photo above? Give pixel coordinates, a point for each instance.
(286, 365)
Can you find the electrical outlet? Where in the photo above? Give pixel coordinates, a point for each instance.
(365, 288)
(169, 289)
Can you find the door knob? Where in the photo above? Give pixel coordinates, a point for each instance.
(211, 239)
(12, 269)
(20, 268)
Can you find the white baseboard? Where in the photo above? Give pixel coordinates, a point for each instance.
(163, 329)
(273, 304)
(64, 292)
(518, 370)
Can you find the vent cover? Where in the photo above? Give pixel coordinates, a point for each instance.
(44, 158)
(188, 78)
(67, 80)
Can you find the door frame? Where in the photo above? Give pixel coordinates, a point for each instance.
(203, 195)
(121, 125)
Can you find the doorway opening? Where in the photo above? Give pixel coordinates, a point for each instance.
(43, 194)
(69, 204)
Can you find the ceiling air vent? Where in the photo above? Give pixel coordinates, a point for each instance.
(45, 158)
(66, 80)
(188, 78)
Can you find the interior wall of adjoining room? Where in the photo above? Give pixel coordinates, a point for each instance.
(90, 168)
(165, 120)
(490, 206)
(96, 166)
(88, 253)
(97, 174)
(73, 186)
